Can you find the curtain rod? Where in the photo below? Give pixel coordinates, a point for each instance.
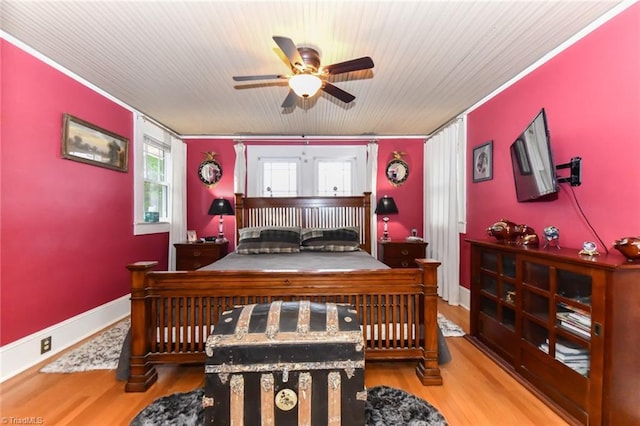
(365, 138)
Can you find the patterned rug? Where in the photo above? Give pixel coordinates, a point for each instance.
(99, 353)
(103, 352)
(449, 328)
(385, 406)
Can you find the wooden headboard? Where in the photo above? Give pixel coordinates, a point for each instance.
(307, 212)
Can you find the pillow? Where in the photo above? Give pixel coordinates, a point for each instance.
(269, 240)
(330, 239)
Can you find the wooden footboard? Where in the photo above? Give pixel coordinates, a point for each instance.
(172, 313)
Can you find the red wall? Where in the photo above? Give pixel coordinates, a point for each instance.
(591, 93)
(408, 196)
(66, 231)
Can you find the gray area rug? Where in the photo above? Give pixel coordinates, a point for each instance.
(110, 350)
(99, 353)
(385, 406)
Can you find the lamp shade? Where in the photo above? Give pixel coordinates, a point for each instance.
(305, 85)
(220, 206)
(386, 205)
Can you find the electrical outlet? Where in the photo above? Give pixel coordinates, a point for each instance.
(45, 345)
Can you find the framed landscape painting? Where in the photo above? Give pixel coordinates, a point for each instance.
(87, 143)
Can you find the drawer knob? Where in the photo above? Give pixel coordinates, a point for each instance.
(196, 265)
(196, 253)
(404, 252)
(405, 264)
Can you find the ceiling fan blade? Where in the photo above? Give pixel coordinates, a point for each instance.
(363, 63)
(257, 77)
(290, 100)
(345, 97)
(289, 48)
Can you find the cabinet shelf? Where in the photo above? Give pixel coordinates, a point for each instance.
(523, 303)
(535, 290)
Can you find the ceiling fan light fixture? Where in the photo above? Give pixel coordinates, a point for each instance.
(305, 85)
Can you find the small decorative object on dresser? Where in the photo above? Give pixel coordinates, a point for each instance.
(401, 254)
(589, 248)
(552, 236)
(629, 247)
(526, 236)
(504, 231)
(192, 237)
(192, 256)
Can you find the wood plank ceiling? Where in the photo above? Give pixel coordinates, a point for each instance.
(174, 60)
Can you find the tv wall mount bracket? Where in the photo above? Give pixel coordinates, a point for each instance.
(575, 166)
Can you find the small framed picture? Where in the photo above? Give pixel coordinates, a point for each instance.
(192, 237)
(483, 162)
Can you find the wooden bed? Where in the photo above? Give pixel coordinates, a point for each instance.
(172, 313)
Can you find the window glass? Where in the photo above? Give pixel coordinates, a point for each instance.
(156, 187)
(279, 179)
(334, 177)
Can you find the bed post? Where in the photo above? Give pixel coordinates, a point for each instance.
(239, 214)
(427, 368)
(367, 222)
(142, 373)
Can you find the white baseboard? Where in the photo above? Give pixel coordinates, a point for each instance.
(465, 298)
(22, 354)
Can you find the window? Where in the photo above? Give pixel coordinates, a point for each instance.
(152, 179)
(334, 177)
(279, 177)
(283, 171)
(156, 186)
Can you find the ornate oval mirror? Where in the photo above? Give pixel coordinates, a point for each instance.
(210, 171)
(397, 170)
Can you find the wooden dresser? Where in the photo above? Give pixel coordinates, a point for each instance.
(564, 324)
(191, 256)
(401, 254)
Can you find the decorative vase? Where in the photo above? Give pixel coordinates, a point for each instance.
(629, 247)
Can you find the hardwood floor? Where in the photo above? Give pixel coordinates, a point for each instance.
(475, 391)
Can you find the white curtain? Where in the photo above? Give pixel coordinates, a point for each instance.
(372, 175)
(178, 225)
(240, 169)
(444, 205)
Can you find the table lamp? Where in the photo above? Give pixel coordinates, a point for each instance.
(386, 206)
(221, 207)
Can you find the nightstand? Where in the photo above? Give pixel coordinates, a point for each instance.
(191, 256)
(401, 254)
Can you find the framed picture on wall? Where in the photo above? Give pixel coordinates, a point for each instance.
(86, 143)
(483, 162)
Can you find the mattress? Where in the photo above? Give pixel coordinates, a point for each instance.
(302, 261)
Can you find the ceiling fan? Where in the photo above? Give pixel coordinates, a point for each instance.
(308, 76)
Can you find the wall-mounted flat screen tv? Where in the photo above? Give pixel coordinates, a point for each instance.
(534, 172)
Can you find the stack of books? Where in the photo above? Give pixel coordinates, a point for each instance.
(573, 356)
(575, 320)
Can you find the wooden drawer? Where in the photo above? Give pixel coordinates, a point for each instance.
(401, 254)
(191, 256)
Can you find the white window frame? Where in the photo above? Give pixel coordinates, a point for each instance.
(142, 128)
(308, 157)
